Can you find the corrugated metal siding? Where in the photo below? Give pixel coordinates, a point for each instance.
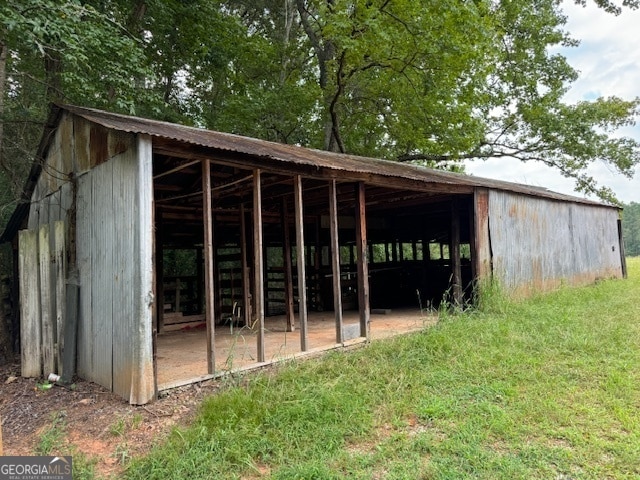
(115, 338)
(538, 244)
(83, 257)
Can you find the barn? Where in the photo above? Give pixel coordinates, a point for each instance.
(141, 244)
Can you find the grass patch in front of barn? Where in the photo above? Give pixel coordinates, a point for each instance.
(545, 388)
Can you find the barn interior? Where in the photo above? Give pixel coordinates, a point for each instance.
(418, 251)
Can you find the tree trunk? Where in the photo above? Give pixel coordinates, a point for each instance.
(3, 78)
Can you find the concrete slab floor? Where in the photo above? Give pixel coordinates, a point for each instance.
(182, 354)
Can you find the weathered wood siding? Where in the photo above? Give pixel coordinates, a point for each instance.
(114, 249)
(114, 245)
(538, 244)
(42, 294)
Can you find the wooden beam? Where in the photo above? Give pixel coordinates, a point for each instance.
(363, 267)
(177, 169)
(209, 295)
(335, 260)
(454, 255)
(302, 281)
(258, 262)
(288, 268)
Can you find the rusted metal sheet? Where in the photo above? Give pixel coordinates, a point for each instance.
(481, 239)
(292, 154)
(538, 244)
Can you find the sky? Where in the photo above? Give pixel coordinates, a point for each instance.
(608, 60)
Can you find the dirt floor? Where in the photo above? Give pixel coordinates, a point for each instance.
(182, 354)
(101, 425)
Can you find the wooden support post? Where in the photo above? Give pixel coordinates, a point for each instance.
(302, 281)
(335, 260)
(363, 267)
(209, 294)
(288, 268)
(246, 281)
(454, 255)
(258, 262)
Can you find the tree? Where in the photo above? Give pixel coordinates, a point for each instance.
(631, 229)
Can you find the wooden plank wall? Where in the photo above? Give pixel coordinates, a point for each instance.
(30, 331)
(42, 296)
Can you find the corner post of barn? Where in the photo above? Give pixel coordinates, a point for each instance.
(258, 256)
(300, 261)
(363, 267)
(454, 255)
(208, 264)
(335, 259)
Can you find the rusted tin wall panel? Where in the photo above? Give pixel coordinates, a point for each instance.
(482, 243)
(538, 244)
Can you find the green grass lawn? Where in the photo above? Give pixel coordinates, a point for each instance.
(548, 388)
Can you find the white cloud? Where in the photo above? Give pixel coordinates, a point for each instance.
(609, 64)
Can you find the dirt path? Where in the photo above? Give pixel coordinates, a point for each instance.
(92, 420)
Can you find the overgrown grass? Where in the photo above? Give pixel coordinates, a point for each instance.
(52, 442)
(548, 388)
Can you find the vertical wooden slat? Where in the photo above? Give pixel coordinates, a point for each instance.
(46, 313)
(208, 264)
(335, 260)
(60, 279)
(454, 254)
(258, 262)
(363, 267)
(302, 281)
(288, 268)
(246, 281)
(30, 327)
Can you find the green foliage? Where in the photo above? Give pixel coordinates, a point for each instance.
(433, 82)
(545, 388)
(631, 229)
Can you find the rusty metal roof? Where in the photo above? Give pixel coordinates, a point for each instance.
(269, 151)
(305, 156)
